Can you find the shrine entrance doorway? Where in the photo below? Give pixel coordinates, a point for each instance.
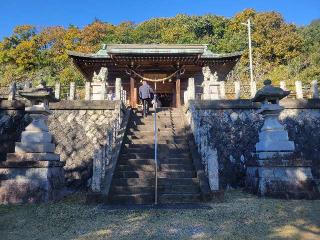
(166, 91)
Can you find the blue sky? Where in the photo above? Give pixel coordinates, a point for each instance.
(42, 13)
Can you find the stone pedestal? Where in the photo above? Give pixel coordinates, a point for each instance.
(99, 85)
(276, 170)
(210, 85)
(34, 172)
(118, 95)
(281, 176)
(98, 91)
(31, 181)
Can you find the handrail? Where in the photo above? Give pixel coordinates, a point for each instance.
(155, 150)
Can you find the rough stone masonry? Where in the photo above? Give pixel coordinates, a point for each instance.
(78, 127)
(230, 129)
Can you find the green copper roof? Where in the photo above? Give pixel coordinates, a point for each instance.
(154, 49)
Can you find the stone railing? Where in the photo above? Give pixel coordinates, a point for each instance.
(87, 91)
(238, 90)
(105, 161)
(91, 91)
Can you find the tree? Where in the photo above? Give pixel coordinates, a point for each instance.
(281, 51)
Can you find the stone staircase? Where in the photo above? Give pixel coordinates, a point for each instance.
(134, 178)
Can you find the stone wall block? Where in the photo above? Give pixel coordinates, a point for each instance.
(78, 134)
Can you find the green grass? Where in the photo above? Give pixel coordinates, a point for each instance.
(241, 216)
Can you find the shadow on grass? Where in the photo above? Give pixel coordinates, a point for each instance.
(241, 216)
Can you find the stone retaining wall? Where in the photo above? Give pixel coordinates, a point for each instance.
(80, 129)
(12, 122)
(226, 133)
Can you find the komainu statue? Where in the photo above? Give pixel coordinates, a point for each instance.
(206, 71)
(210, 84)
(102, 76)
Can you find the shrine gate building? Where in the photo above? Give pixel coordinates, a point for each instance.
(168, 66)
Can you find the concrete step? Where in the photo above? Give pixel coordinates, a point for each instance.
(151, 150)
(151, 141)
(179, 198)
(150, 189)
(150, 155)
(161, 121)
(136, 162)
(151, 181)
(160, 116)
(150, 174)
(160, 128)
(150, 161)
(151, 167)
(160, 137)
(150, 132)
(176, 167)
(132, 189)
(145, 198)
(160, 145)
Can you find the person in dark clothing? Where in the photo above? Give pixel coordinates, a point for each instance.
(145, 94)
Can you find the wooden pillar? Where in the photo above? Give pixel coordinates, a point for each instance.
(178, 89)
(132, 93)
(135, 97)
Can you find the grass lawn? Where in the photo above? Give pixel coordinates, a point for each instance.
(241, 216)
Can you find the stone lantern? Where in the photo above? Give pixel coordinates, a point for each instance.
(34, 172)
(276, 170)
(36, 134)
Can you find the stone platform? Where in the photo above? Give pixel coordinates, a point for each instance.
(281, 176)
(31, 181)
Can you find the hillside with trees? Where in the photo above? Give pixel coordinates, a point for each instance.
(281, 51)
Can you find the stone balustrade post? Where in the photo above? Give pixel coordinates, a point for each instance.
(283, 85)
(222, 90)
(253, 88)
(57, 90)
(299, 91)
(185, 96)
(27, 85)
(314, 89)
(237, 89)
(121, 94)
(103, 91)
(191, 95)
(125, 96)
(12, 92)
(72, 94)
(87, 95)
(118, 89)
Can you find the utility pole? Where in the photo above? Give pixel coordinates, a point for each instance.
(252, 83)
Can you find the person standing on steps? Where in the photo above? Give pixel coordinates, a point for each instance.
(145, 94)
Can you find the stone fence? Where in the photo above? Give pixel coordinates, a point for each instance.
(226, 132)
(238, 90)
(82, 131)
(225, 90)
